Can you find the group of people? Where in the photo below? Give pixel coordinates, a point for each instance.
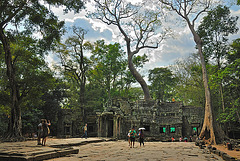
(132, 137)
(43, 131)
(185, 139)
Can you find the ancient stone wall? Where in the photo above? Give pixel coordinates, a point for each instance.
(161, 121)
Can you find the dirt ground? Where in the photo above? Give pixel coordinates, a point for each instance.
(152, 151)
(233, 153)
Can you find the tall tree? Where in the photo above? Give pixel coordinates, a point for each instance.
(190, 11)
(162, 83)
(75, 64)
(214, 31)
(37, 18)
(189, 86)
(109, 62)
(230, 75)
(33, 77)
(139, 27)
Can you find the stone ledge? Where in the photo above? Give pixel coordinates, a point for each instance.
(80, 143)
(39, 156)
(228, 157)
(29, 151)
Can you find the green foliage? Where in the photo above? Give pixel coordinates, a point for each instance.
(35, 17)
(139, 61)
(162, 83)
(26, 73)
(34, 79)
(230, 76)
(105, 73)
(229, 115)
(30, 120)
(189, 86)
(214, 31)
(135, 93)
(108, 69)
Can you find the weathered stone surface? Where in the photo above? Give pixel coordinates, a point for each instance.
(228, 157)
(29, 151)
(162, 120)
(152, 151)
(218, 152)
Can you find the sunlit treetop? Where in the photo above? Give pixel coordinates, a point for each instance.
(36, 17)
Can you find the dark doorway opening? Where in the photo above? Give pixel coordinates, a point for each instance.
(67, 130)
(147, 127)
(110, 128)
(234, 134)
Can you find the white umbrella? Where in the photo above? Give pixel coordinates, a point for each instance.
(141, 128)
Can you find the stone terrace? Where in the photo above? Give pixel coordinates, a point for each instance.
(30, 151)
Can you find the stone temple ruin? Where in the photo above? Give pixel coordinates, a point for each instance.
(160, 120)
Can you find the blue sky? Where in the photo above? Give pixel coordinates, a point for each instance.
(171, 49)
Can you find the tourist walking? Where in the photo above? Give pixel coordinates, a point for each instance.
(128, 135)
(39, 132)
(85, 131)
(132, 137)
(141, 137)
(46, 131)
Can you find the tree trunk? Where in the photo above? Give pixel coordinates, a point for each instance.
(131, 67)
(82, 78)
(139, 78)
(15, 123)
(211, 130)
(220, 84)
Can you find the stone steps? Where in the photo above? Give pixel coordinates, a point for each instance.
(39, 156)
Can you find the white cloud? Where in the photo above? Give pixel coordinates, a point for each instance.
(235, 12)
(171, 49)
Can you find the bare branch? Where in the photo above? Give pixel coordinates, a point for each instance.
(19, 8)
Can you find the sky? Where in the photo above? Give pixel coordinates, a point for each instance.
(171, 49)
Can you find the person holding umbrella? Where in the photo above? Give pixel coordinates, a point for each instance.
(141, 136)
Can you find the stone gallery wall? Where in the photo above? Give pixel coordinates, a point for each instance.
(161, 121)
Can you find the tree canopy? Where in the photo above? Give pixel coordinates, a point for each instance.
(27, 17)
(140, 28)
(91, 75)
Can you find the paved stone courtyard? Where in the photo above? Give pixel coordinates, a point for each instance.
(30, 151)
(105, 149)
(152, 151)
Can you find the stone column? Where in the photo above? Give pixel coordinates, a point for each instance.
(119, 127)
(106, 126)
(114, 126)
(99, 126)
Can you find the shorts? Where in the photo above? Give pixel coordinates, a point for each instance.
(132, 139)
(39, 133)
